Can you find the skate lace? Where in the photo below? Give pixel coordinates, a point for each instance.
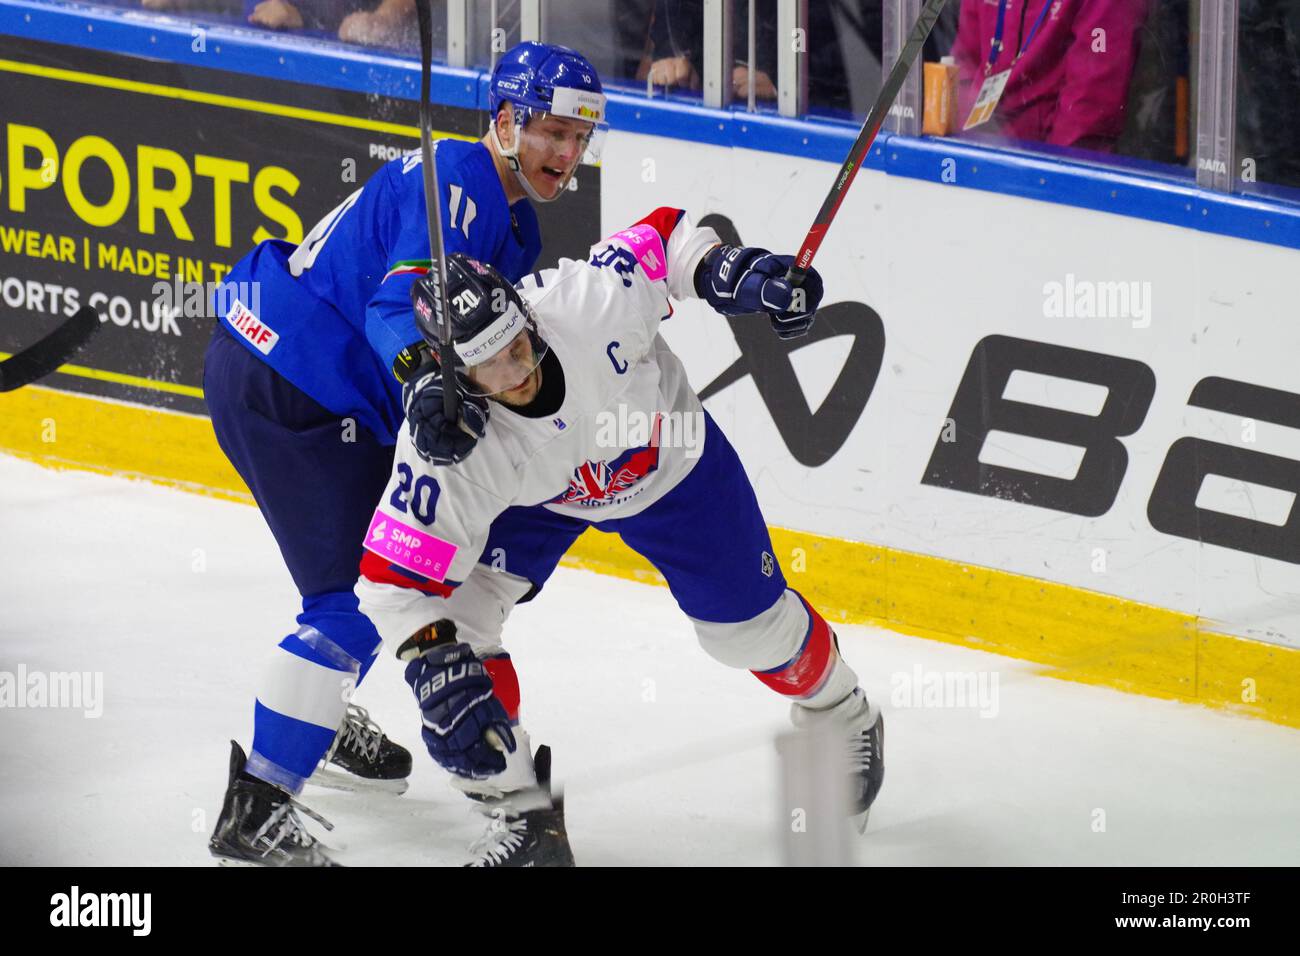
(358, 732)
(861, 750)
(288, 825)
(503, 838)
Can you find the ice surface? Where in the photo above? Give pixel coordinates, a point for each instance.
(667, 756)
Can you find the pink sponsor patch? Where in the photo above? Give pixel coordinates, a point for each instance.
(404, 546)
(648, 247)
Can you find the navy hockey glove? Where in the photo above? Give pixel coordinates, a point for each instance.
(460, 712)
(738, 280)
(436, 440)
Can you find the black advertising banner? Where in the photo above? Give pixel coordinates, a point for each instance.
(131, 185)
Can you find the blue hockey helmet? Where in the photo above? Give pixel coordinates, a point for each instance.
(539, 77)
(542, 79)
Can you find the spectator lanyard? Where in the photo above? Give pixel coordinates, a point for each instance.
(995, 84)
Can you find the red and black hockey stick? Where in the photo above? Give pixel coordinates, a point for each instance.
(39, 360)
(433, 212)
(862, 145)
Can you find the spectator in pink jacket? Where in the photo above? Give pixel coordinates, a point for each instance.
(1071, 86)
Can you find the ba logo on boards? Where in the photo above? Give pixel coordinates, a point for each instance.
(979, 407)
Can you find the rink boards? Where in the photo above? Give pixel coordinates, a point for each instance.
(1057, 433)
(1105, 402)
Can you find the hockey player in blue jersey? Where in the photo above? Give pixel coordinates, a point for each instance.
(304, 381)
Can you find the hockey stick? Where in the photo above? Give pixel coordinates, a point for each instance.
(437, 252)
(862, 145)
(37, 361)
(433, 212)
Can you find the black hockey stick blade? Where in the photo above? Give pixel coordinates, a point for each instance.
(866, 136)
(39, 360)
(433, 213)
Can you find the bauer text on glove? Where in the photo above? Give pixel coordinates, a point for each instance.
(739, 280)
(458, 709)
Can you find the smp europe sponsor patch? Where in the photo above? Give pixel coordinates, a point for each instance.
(648, 247)
(404, 546)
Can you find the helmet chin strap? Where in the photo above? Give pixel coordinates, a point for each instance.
(511, 156)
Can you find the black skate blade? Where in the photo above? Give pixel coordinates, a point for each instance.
(859, 821)
(330, 779)
(536, 798)
(513, 802)
(239, 861)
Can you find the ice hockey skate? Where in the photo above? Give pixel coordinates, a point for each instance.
(526, 827)
(259, 824)
(363, 758)
(865, 725)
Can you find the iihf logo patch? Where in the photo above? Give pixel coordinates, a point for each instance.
(769, 565)
(559, 423)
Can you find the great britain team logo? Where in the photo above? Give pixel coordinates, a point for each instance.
(598, 483)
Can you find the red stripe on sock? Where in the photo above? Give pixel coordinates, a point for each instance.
(505, 684)
(806, 673)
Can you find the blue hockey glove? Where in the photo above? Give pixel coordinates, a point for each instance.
(460, 712)
(737, 280)
(436, 440)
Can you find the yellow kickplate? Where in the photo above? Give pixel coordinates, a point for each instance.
(1074, 634)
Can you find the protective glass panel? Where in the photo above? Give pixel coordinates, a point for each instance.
(491, 29)
(612, 34)
(1088, 79)
(385, 25)
(765, 53)
(671, 35)
(844, 49)
(1268, 98)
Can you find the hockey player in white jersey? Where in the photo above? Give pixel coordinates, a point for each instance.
(459, 538)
